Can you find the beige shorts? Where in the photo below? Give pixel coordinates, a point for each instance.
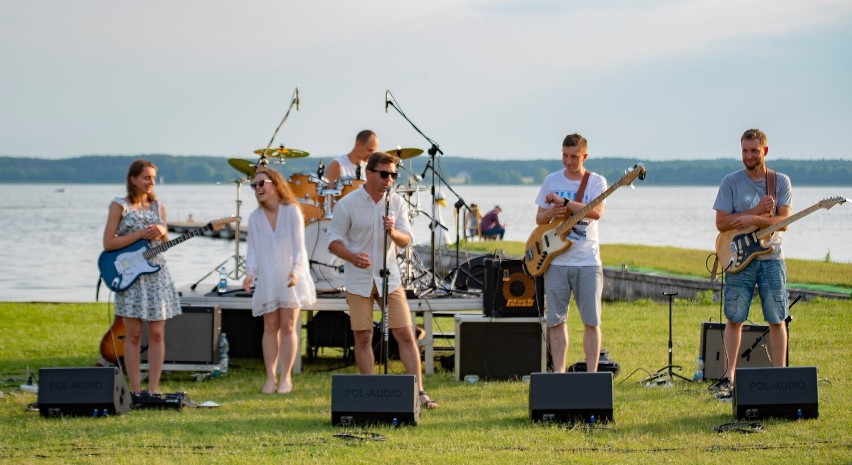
(361, 309)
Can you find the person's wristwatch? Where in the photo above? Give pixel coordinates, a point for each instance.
(565, 203)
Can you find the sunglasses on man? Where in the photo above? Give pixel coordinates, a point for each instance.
(385, 174)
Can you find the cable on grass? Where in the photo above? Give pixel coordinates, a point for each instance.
(362, 436)
(740, 427)
(633, 373)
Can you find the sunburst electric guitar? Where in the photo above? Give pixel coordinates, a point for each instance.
(737, 248)
(121, 268)
(549, 240)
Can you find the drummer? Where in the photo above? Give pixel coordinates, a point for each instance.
(354, 163)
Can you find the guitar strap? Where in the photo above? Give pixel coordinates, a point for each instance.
(771, 188)
(578, 197)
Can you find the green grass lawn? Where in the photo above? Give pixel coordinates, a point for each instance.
(483, 422)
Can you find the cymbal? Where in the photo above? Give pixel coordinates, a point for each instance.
(282, 152)
(243, 166)
(404, 154)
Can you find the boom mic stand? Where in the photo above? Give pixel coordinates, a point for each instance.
(434, 150)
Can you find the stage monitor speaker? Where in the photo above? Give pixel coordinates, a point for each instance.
(499, 348)
(509, 291)
(191, 337)
(95, 391)
(373, 399)
(713, 349)
(776, 392)
(568, 397)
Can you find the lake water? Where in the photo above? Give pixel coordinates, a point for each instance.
(51, 235)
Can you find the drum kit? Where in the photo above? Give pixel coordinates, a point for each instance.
(317, 197)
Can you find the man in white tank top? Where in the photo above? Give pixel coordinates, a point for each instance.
(366, 142)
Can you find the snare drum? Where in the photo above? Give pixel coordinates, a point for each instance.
(306, 187)
(326, 268)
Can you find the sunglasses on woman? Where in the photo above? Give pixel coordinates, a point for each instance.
(385, 174)
(260, 183)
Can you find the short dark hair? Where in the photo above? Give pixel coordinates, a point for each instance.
(575, 140)
(754, 134)
(379, 158)
(364, 136)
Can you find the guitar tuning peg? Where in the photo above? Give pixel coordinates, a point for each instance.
(632, 186)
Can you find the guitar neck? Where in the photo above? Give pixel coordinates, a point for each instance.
(769, 230)
(569, 222)
(154, 251)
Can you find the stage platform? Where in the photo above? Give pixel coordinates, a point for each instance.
(236, 306)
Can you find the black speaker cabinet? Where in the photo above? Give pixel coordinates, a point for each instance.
(372, 399)
(96, 391)
(191, 337)
(499, 348)
(569, 397)
(713, 349)
(509, 291)
(776, 392)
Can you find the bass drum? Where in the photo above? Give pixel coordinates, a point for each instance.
(471, 274)
(326, 268)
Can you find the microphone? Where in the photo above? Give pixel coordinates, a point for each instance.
(320, 170)
(425, 170)
(387, 100)
(297, 99)
(358, 171)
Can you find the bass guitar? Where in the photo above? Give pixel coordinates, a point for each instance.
(549, 240)
(738, 248)
(121, 268)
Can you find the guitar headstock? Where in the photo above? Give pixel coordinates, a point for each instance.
(630, 174)
(219, 224)
(831, 201)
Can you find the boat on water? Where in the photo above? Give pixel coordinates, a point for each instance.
(228, 232)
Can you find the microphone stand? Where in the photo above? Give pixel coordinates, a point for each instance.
(293, 102)
(385, 274)
(434, 150)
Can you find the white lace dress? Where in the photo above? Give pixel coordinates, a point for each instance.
(272, 255)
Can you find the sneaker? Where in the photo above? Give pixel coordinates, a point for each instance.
(723, 384)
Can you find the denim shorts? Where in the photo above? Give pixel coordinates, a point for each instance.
(770, 276)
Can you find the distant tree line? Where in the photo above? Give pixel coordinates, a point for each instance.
(109, 169)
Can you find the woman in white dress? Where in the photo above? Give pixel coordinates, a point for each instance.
(277, 265)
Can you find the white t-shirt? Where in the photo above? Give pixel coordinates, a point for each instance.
(586, 248)
(347, 168)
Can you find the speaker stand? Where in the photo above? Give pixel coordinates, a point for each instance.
(665, 376)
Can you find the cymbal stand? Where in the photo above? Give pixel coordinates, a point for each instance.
(239, 261)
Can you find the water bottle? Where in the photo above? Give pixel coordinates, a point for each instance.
(699, 369)
(222, 287)
(223, 353)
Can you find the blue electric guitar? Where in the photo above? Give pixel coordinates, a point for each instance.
(120, 268)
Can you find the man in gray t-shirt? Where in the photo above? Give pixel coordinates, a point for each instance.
(744, 203)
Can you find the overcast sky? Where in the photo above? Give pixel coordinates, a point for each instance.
(650, 79)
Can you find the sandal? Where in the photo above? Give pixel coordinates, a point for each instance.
(429, 403)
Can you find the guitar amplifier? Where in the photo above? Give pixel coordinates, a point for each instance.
(191, 337)
(713, 348)
(509, 291)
